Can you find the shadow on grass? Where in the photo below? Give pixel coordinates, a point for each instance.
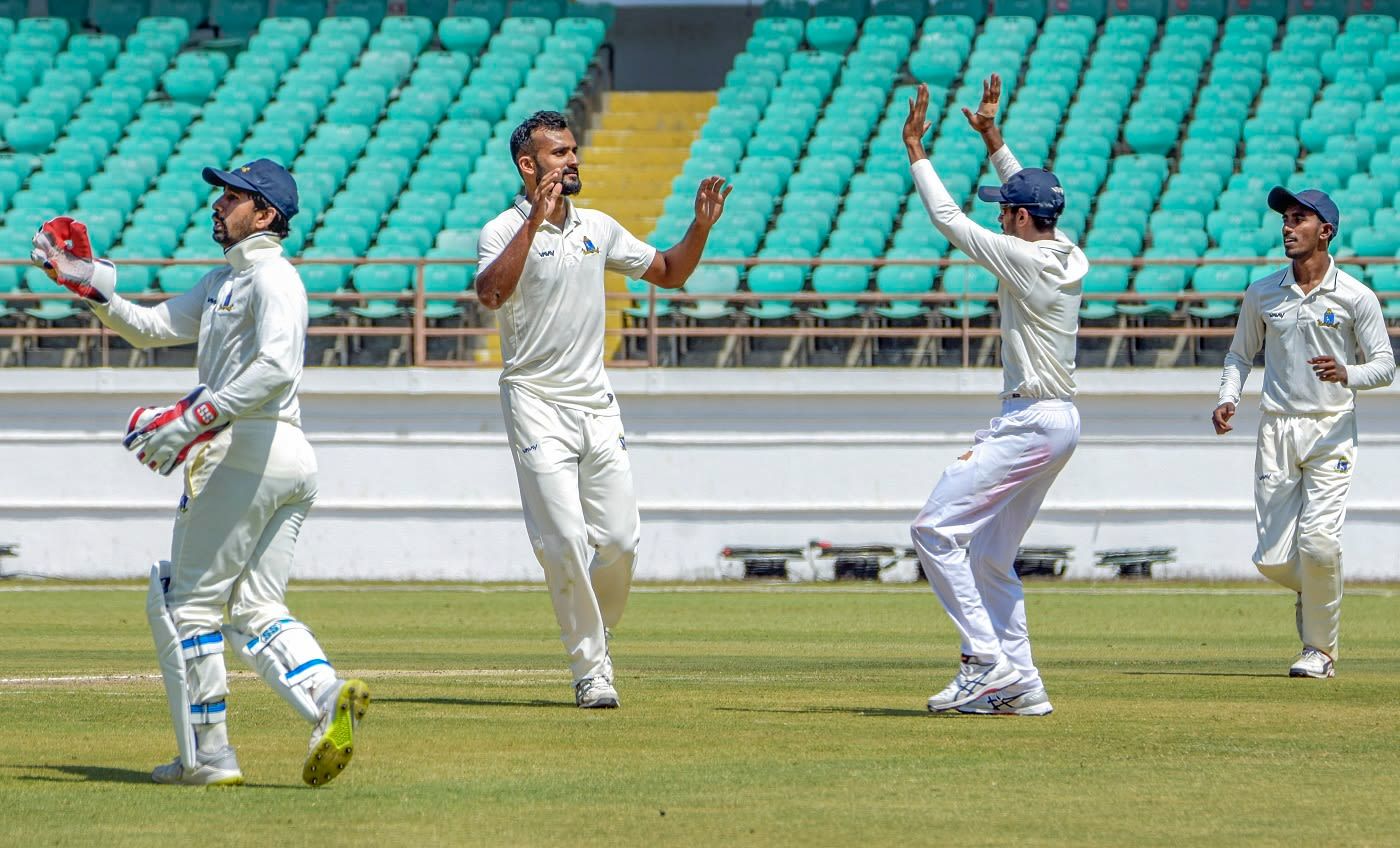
(1204, 674)
(99, 774)
(476, 702)
(878, 712)
(105, 774)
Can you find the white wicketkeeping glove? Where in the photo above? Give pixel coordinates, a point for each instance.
(63, 251)
(162, 436)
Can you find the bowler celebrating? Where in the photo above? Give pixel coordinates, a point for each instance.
(1324, 338)
(249, 475)
(968, 532)
(541, 265)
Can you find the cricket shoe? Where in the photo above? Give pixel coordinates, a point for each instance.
(972, 682)
(593, 693)
(1313, 663)
(1032, 702)
(219, 769)
(333, 740)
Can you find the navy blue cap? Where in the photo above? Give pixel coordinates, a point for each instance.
(261, 176)
(1035, 189)
(1280, 199)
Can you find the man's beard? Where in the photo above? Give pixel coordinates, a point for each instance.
(569, 186)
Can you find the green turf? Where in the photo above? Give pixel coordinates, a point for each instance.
(748, 718)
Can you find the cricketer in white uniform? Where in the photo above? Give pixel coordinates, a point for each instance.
(1324, 338)
(249, 476)
(968, 533)
(541, 265)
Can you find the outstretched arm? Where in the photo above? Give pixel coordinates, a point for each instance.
(984, 120)
(1006, 257)
(671, 268)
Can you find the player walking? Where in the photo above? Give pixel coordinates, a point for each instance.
(250, 476)
(968, 532)
(1324, 338)
(541, 265)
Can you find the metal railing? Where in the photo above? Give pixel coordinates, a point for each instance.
(654, 330)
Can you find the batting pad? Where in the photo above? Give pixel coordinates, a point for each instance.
(288, 658)
(172, 662)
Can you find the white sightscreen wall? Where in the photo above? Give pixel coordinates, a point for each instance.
(417, 482)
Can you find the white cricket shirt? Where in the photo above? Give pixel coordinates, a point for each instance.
(1340, 318)
(552, 324)
(249, 319)
(1040, 283)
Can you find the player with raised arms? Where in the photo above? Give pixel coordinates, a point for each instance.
(541, 266)
(968, 533)
(249, 476)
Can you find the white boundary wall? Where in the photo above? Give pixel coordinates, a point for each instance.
(417, 481)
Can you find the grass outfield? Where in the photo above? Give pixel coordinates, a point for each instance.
(750, 716)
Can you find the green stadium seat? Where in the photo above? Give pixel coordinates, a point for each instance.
(968, 280)
(797, 9)
(777, 281)
(237, 19)
(1033, 9)
(717, 281)
(30, 135)
(549, 9)
(1226, 279)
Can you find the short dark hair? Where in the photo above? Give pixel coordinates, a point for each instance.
(1044, 223)
(280, 226)
(522, 139)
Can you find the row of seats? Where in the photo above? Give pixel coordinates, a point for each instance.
(238, 19)
(1150, 167)
(397, 135)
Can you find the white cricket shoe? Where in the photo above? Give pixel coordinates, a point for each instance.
(592, 693)
(1313, 663)
(333, 740)
(219, 769)
(1032, 702)
(972, 682)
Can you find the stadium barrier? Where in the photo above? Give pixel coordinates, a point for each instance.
(652, 331)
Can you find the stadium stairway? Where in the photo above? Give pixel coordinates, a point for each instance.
(639, 143)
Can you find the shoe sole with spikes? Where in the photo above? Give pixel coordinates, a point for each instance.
(332, 754)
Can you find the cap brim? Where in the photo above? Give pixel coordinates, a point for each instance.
(1281, 199)
(991, 194)
(213, 176)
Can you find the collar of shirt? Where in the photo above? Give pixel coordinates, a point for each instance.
(254, 249)
(1329, 279)
(571, 218)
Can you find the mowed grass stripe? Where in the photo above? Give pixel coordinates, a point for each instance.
(748, 718)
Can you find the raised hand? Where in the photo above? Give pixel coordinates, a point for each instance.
(709, 200)
(985, 117)
(63, 251)
(545, 198)
(916, 126)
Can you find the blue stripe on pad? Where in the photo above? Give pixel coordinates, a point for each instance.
(304, 666)
(205, 709)
(203, 639)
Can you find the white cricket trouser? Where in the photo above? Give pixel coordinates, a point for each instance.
(1302, 473)
(968, 533)
(581, 514)
(247, 492)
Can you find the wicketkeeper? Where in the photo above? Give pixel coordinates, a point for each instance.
(249, 476)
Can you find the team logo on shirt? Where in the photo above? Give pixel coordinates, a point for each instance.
(1328, 320)
(589, 248)
(622, 442)
(1343, 466)
(227, 305)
